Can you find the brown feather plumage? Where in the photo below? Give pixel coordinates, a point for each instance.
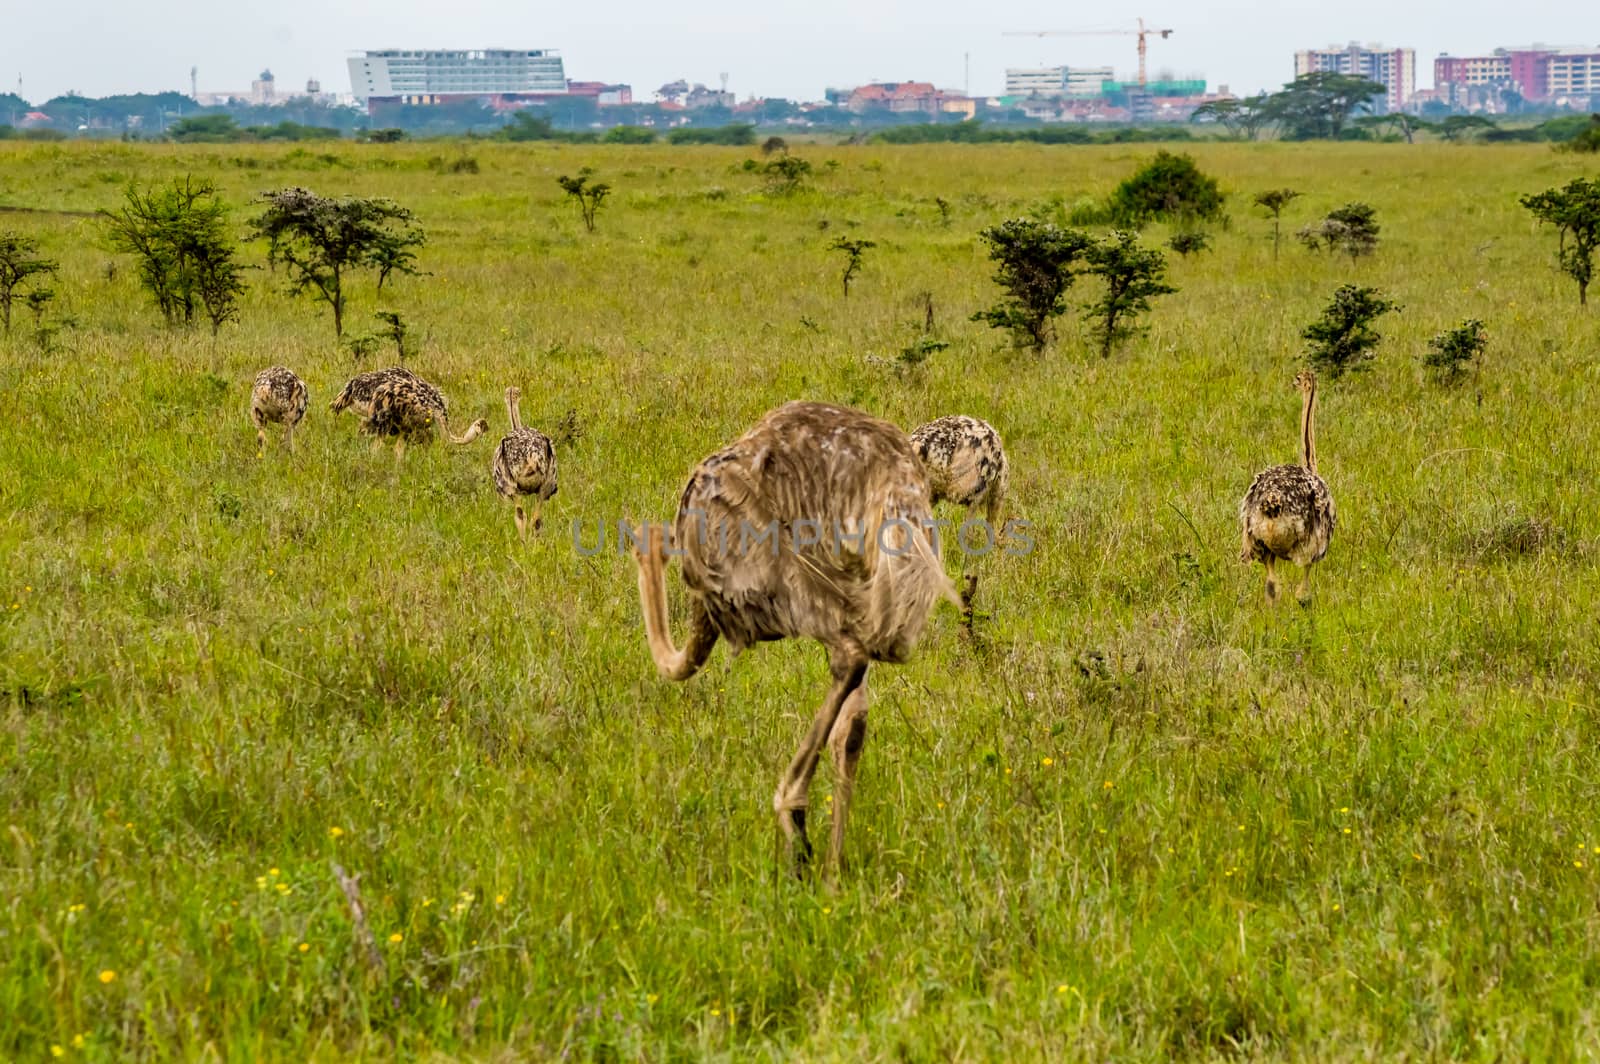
(278, 397)
(812, 524)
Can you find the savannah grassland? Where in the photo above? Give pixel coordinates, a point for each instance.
(1136, 814)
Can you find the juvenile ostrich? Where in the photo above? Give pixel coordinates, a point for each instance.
(279, 397)
(1288, 513)
(524, 464)
(849, 563)
(408, 408)
(966, 463)
(358, 390)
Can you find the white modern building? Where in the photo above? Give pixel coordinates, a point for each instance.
(423, 75)
(1393, 68)
(1057, 81)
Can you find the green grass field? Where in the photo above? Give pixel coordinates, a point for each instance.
(1137, 814)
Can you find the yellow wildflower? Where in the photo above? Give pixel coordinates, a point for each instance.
(336, 830)
(1109, 785)
(651, 999)
(302, 947)
(108, 976)
(1047, 761)
(397, 938)
(57, 1051)
(77, 1041)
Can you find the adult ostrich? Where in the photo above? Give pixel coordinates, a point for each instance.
(812, 524)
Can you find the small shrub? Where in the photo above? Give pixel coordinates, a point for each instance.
(1168, 186)
(589, 195)
(1343, 338)
(1132, 275)
(1452, 352)
(785, 174)
(1587, 140)
(1189, 242)
(20, 271)
(1352, 229)
(853, 250)
(1035, 269)
(629, 135)
(1273, 201)
(774, 144)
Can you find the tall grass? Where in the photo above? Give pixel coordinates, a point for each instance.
(1135, 814)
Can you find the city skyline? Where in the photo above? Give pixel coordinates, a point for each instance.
(782, 54)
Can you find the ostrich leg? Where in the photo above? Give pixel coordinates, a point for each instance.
(849, 668)
(1272, 579)
(849, 735)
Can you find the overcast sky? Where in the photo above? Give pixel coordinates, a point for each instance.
(99, 47)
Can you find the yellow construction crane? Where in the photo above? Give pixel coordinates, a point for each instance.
(1142, 32)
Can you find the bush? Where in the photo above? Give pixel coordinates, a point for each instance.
(785, 174)
(1132, 275)
(179, 236)
(205, 129)
(629, 135)
(1189, 242)
(1587, 139)
(1451, 352)
(1343, 338)
(1036, 260)
(739, 134)
(1352, 229)
(20, 271)
(1575, 212)
(1168, 187)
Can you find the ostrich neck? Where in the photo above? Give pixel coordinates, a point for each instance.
(513, 414)
(1308, 430)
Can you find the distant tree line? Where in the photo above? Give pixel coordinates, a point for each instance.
(1326, 106)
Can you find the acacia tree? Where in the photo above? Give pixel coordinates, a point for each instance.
(320, 240)
(1274, 201)
(1243, 119)
(589, 194)
(1317, 106)
(1575, 212)
(20, 270)
(179, 236)
(853, 250)
(1132, 276)
(1035, 269)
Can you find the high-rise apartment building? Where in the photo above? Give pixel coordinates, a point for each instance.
(1393, 68)
(421, 75)
(1535, 72)
(1057, 81)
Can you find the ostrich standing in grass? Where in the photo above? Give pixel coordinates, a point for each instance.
(1288, 512)
(850, 564)
(966, 463)
(408, 408)
(524, 464)
(279, 397)
(359, 390)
